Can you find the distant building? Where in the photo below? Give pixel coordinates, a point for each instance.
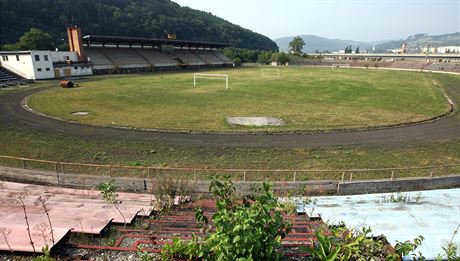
(448, 49)
(401, 50)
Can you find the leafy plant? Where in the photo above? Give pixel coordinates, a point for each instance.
(144, 255)
(249, 229)
(326, 249)
(46, 255)
(342, 243)
(109, 194)
(403, 249)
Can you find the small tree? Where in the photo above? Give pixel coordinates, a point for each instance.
(282, 58)
(237, 62)
(264, 57)
(296, 46)
(109, 194)
(357, 50)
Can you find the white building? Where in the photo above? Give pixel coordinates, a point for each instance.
(449, 49)
(36, 65)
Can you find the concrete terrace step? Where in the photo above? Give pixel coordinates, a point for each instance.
(73, 210)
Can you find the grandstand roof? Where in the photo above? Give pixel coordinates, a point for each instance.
(101, 39)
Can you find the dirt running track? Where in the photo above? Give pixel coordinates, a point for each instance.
(13, 115)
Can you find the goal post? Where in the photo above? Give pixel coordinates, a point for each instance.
(270, 72)
(340, 65)
(210, 76)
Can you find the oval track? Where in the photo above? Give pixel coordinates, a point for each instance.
(12, 114)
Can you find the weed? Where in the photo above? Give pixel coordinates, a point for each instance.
(166, 190)
(43, 202)
(46, 255)
(5, 232)
(19, 197)
(402, 198)
(109, 194)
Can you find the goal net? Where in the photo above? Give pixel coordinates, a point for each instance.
(341, 65)
(270, 72)
(197, 76)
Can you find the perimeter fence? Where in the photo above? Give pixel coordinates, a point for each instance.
(245, 175)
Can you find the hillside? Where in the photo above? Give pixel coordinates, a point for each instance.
(415, 42)
(140, 18)
(313, 43)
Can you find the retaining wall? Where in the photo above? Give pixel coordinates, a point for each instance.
(284, 188)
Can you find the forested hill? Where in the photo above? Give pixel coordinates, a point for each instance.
(139, 18)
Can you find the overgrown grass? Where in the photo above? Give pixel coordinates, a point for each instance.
(307, 99)
(23, 143)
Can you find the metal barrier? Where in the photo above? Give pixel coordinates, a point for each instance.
(202, 174)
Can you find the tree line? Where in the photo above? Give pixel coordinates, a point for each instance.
(137, 18)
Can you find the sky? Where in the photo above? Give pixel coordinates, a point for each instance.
(359, 20)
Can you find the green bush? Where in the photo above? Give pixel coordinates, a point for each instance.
(251, 229)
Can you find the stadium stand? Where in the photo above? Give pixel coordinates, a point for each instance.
(222, 57)
(118, 54)
(157, 58)
(446, 67)
(124, 57)
(410, 65)
(189, 58)
(375, 64)
(209, 57)
(9, 79)
(98, 60)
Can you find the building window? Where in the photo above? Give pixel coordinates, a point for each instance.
(5, 58)
(39, 69)
(47, 69)
(37, 58)
(45, 57)
(75, 67)
(17, 58)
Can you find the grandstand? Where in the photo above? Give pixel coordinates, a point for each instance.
(8, 79)
(108, 54)
(414, 65)
(447, 67)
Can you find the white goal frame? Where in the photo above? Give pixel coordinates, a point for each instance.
(278, 72)
(341, 65)
(210, 76)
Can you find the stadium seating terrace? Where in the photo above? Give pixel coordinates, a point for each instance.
(109, 54)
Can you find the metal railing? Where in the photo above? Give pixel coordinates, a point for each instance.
(202, 174)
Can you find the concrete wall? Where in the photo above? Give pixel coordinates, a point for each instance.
(28, 67)
(43, 66)
(282, 188)
(19, 63)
